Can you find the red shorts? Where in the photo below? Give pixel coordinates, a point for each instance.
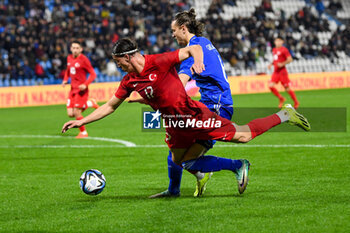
(282, 77)
(77, 99)
(185, 137)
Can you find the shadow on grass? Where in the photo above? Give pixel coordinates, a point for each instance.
(145, 196)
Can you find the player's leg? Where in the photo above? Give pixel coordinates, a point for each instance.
(272, 85)
(292, 95)
(70, 105)
(256, 127)
(70, 112)
(287, 86)
(208, 164)
(175, 176)
(78, 115)
(92, 103)
(79, 105)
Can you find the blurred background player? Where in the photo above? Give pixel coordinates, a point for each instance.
(213, 86)
(78, 66)
(281, 57)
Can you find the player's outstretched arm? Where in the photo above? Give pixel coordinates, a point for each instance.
(196, 52)
(96, 115)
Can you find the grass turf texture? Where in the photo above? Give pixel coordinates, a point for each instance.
(290, 189)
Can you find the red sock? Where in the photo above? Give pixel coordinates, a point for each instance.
(275, 92)
(261, 125)
(292, 94)
(82, 128)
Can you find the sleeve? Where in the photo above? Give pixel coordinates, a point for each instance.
(90, 70)
(66, 74)
(167, 60)
(123, 91)
(185, 67)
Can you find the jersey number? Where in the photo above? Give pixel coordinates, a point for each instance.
(149, 92)
(72, 70)
(275, 57)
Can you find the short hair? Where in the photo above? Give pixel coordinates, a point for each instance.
(124, 46)
(279, 37)
(188, 18)
(76, 42)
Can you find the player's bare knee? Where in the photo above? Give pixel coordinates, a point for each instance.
(244, 139)
(70, 112)
(242, 135)
(77, 113)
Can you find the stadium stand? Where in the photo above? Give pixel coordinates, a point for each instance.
(35, 35)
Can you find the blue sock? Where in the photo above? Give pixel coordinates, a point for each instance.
(209, 163)
(175, 175)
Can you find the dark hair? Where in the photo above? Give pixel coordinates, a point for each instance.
(279, 37)
(76, 42)
(124, 46)
(188, 18)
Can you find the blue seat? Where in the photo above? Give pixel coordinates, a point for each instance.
(52, 80)
(26, 82)
(1, 83)
(13, 82)
(32, 82)
(6, 83)
(46, 81)
(101, 79)
(20, 82)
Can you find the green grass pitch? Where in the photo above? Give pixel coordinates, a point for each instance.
(291, 189)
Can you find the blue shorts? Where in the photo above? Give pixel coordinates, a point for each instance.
(223, 111)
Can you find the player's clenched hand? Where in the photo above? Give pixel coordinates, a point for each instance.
(71, 124)
(269, 66)
(82, 87)
(280, 64)
(197, 68)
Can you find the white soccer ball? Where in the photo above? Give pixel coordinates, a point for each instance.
(92, 182)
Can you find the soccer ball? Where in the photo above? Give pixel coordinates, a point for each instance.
(92, 182)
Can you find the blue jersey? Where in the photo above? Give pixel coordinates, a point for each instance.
(212, 82)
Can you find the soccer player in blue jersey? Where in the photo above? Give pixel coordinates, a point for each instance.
(213, 86)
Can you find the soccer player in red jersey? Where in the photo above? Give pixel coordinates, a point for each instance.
(155, 78)
(281, 57)
(78, 65)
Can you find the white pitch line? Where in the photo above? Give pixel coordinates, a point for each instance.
(164, 146)
(125, 143)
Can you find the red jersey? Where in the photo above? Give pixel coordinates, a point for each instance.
(280, 55)
(77, 69)
(160, 86)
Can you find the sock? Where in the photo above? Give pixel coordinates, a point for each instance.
(82, 128)
(292, 94)
(261, 125)
(275, 92)
(199, 175)
(175, 175)
(89, 104)
(210, 163)
(283, 115)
